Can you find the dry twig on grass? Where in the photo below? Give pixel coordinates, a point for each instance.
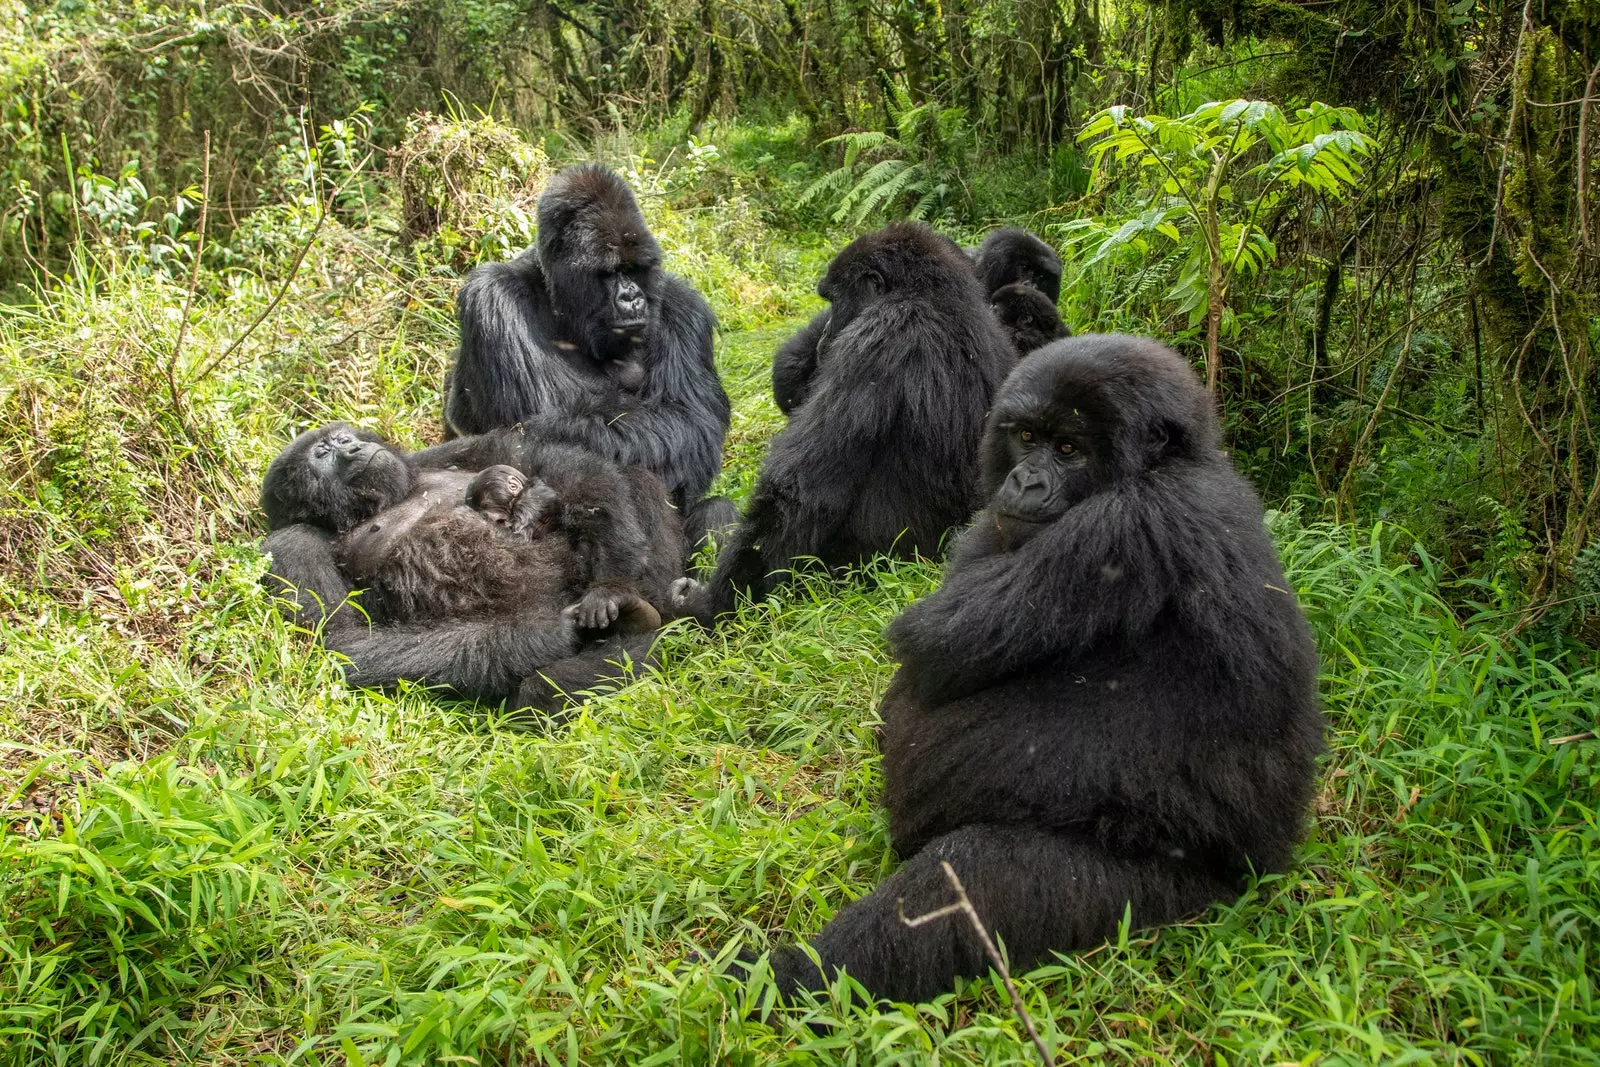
(964, 905)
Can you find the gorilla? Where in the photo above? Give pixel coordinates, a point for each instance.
(1109, 703)
(585, 339)
(455, 598)
(1011, 254)
(1007, 256)
(885, 460)
(1027, 316)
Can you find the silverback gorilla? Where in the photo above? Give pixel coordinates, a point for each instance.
(455, 598)
(883, 457)
(1109, 703)
(584, 338)
(1008, 256)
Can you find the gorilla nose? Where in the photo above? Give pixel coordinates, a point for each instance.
(630, 308)
(1026, 493)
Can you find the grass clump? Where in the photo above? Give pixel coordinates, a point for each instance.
(212, 851)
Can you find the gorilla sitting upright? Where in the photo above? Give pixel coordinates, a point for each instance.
(1110, 702)
(883, 456)
(584, 338)
(1008, 256)
(454, 598)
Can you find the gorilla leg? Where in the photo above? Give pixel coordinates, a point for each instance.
(476, 659)
(552, 691)
(1036, 892)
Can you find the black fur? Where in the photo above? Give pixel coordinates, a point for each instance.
(883, 457)
(1109, 703)
(1007, 256)
(584, 338)
(1010, 255)
(794, 365)
(1027, 316)
(454, 597)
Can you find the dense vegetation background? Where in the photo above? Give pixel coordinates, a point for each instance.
(221, 222)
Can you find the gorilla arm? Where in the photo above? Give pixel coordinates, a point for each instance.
(477, 659)
(1106, 567)
(305, 573)
(795, 363)
(496, 376)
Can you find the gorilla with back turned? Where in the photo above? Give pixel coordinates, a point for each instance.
(584, 338)
(1108, 704)
(883, 456)
(1008, 256)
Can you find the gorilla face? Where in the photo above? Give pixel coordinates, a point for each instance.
(493, 492)
(601, 264)
(1053, 458)
(1081, 414)
(1027, 316)
(336, 477)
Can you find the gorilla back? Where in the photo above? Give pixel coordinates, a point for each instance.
(882, 456)
(1109, 704)
(584, 338)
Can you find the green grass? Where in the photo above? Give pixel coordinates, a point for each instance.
(212, 851)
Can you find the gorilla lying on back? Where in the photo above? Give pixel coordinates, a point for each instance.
(1109, 703)
(1007, 256)
(455, 598)
(883, 457)
(584, 338)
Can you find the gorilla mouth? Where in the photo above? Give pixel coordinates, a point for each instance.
(1007, 519)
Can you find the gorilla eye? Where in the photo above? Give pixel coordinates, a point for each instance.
(1027, 435)
(1067, 449)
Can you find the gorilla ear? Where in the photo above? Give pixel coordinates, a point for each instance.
(1167, 438)
(872, 282)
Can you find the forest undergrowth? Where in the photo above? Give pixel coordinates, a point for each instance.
(213, 851)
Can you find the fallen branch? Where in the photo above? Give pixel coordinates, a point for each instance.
(963, 904)
(1587, 735)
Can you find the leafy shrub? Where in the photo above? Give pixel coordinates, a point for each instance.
(467, 189)
(916, 173)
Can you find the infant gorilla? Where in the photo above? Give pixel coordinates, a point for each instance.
(522, 504)
(451, 552)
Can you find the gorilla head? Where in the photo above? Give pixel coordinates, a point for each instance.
(602, 266)
(1071, 421)
(335, 476)
(1011, 254)
(902, 260)
(1027, 316)
(494, 492)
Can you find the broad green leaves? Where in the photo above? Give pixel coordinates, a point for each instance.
(1224, 167)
